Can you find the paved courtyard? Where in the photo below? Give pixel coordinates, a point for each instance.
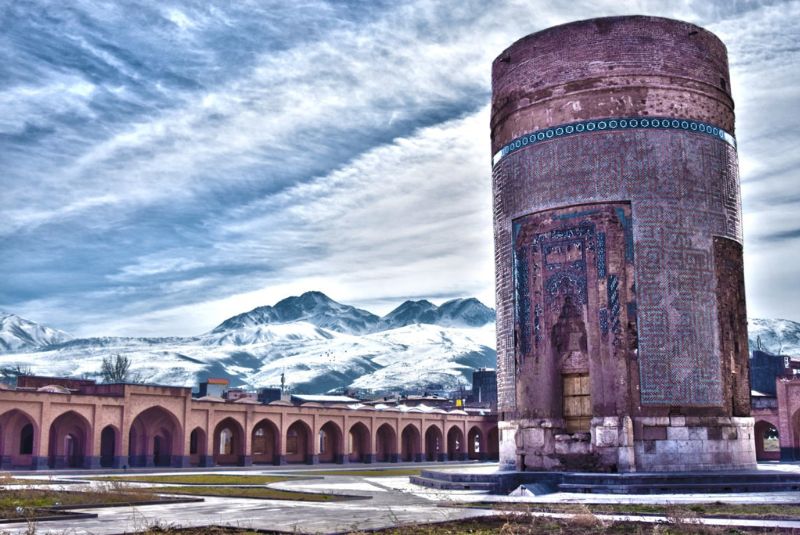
(386, 501)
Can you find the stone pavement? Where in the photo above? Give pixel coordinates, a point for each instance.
(382, 506)
(303, 517)
(389, 501)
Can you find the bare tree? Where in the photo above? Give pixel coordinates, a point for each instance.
(116, 369)
(15, 370)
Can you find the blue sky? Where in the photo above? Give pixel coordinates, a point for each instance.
(165, 165)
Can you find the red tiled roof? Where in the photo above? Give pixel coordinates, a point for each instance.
(212, 381)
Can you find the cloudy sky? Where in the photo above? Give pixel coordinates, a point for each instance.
(164, 165)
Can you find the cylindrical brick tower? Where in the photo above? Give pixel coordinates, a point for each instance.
(621, 325)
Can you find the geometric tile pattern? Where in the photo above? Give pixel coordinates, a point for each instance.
(683, 189)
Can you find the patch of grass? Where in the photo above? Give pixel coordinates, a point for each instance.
(261, 493)
(199, 479)
(24, 502)
(389, 472)
(205, 530)
(584, 524)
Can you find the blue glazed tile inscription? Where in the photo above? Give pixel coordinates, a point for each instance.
(616, 123)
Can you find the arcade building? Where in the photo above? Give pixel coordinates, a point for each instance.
(53, 423)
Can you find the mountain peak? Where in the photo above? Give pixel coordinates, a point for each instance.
(20, 334)
(461, 312)
(320, 310)
(309, 297)
(313, 307)
(411, 312)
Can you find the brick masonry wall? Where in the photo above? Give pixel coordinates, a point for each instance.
(682, 185)
(616, 66)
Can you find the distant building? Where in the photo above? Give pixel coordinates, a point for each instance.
(269, 394)
(764, 368)
(484, 388)
(25, 382)
(775, 405)
(235, 394)
(428, 400)
(213, 387)
(322, 399)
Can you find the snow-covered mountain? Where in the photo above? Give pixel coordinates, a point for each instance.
(411, 312)
(778, 336)
(19, 334)
(318, 343)
(312, 307)
(455, 313)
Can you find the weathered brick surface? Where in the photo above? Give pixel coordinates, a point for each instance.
(681, 344)
(616, 66)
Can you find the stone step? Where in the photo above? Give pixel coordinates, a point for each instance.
(459, 477)
(672, 479)
(443, 484)
(630, 483)
(681, 488)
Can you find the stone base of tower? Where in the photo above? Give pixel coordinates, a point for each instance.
(624, 444)
(683, 443)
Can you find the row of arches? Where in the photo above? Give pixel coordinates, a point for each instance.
(156, 438)
(332, 445)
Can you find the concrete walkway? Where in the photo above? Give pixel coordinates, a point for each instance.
(390, 501)
(383, 507)
(303, 517)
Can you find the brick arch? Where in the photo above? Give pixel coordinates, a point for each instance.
(198, 447)
(110, 447)
(360, 445)
(331, 442)
(229, 442)
(19, 440)
(456, 445)
(411, 443)
(70, 441)
(299, 442)
(493, 443)
(266, 442)
(386, 443)
(155, 438)
(761, 428)
(434, 443)
(476, 443)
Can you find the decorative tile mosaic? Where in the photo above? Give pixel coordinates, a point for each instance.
(601, 255)
(627, 224)
(616, 123)
(522, 301)
(603, 318)
(613, 303)
(565, 243)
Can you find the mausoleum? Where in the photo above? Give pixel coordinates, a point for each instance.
(621, 322)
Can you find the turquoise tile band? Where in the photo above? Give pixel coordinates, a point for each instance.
(614, 123)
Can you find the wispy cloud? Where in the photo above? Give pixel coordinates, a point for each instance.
(169, 164)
